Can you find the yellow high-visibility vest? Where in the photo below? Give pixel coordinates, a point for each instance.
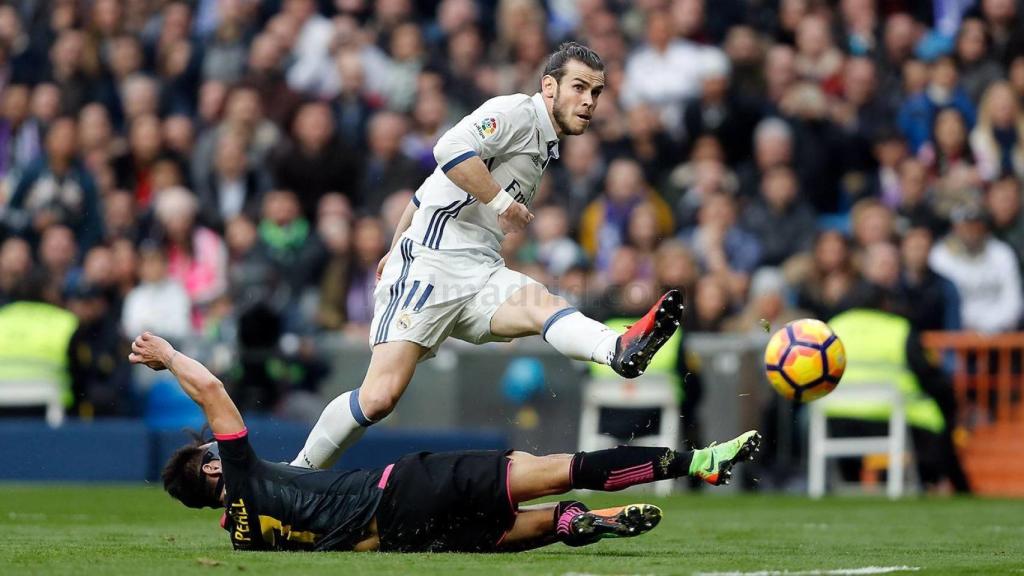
(34, 340)
(876, 353)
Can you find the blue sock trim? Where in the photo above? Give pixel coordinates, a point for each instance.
(555, 318)
(357, 412)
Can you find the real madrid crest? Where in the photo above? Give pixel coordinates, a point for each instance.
(404, 321)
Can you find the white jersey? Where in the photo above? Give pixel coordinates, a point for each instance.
(515, 138)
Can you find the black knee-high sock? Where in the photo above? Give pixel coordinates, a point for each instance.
(626, 466)
(565, 511)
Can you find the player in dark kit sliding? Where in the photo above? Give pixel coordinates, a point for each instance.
(458, 501)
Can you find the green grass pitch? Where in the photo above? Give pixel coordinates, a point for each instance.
(51, 529)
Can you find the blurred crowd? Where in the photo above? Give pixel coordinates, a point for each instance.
(228, 173)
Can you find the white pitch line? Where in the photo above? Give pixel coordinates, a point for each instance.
(838, 572)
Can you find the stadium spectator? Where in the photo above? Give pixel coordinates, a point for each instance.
(368, 247)
(310, 53)
(780, 220)
(158, 302)
(998, 139)
(943, 91)
(604, 223)
(57, 189)
(860, 114)
(646, 80)
(336, 235)
(978, 69)
(824, 281)
(265, 73)
(20, 133)
(889, 150)
(818, 145)
(195, 254)
(705, 174)
(773, 146)
(552, 247)
(1004, 25)
(1003, 201)
(871, 222)
(386, 167)
(578, 175)
(315, 162)
(779, 75)
(818, 60)
(233, 186)
(15, 265)
(646, 142)
(719, 111)
(353, 106)
(134, 167)
(931, 301)
(984, 270)
(57, 255)
(914, 207)
(722, 248)
(429, 115)
(767, 305)
(294, 252)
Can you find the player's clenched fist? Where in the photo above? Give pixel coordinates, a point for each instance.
(151, 350)
(515, 218)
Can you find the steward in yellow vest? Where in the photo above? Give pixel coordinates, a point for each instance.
(34, 340)
(881, 347)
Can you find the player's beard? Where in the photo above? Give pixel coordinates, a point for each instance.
(562, 117)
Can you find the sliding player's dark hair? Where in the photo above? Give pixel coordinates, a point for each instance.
(567, 51)
(183, 477)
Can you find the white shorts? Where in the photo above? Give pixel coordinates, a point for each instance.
(425, 295)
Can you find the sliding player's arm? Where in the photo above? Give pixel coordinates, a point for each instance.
(195, 379)
(461, 152)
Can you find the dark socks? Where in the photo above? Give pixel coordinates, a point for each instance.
(626, 466)
(565, 511)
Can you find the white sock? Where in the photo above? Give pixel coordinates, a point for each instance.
(336, 431)
(579, 337)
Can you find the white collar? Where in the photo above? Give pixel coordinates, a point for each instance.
(547, 129)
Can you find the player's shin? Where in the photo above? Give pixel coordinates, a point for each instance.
(579, 337)
(626, 466)
(341, 425)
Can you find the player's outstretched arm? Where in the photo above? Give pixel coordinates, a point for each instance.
(195, 379)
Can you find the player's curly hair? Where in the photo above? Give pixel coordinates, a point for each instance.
(568, 51)
(182, 476)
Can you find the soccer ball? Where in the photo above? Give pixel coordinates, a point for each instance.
(804, 360)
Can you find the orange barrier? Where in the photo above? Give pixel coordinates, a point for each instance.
(987, 378)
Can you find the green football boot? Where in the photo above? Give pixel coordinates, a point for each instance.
(714, 463)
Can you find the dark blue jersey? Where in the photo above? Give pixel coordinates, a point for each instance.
(272, 506)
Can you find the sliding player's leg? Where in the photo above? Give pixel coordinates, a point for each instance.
(532, 477)
(534, 310)
(572, 523)
(347, 417)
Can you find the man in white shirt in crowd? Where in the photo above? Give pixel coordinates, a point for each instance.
(984, 270)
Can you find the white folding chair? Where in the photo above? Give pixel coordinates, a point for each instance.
(649, 391)
(894, 443)
(24, 393)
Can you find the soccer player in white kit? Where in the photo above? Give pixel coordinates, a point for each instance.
(444, 275)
